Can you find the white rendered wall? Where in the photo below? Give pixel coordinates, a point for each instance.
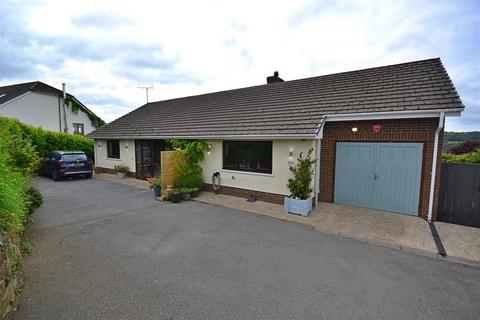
(79, 117)
(36, 109)
(272, 183)
(127, 155)
(42, 110)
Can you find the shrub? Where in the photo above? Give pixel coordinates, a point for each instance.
(472, 157)
(299, 185)
(196, 181)
(465, 147)
(181, 182)
(188, 154)
(34, 199)
(13, 182)
(13, 207)
(21, 153)
(189, 181)
(26, 246)
(120, 168)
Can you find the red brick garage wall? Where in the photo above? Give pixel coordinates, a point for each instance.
(402, 130)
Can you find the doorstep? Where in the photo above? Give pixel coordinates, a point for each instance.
(398, 231)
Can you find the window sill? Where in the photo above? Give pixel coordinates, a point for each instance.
(248, 172)
(114, 159)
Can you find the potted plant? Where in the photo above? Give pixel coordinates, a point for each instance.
(300, 199)
(156, 185)
(120, 170)
(175, 196)
(195, 192)
(186, 193)
(196, 184)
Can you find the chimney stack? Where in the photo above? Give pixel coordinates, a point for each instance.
(274, 78)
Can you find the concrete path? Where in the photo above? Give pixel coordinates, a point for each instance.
(105, 250)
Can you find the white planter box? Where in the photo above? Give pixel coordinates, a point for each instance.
(297, 206)
(120, 175)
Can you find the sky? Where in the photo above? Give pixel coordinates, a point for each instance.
(104, 50)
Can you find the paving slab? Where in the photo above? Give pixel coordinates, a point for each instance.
(460, 242)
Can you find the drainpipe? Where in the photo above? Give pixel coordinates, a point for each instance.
(434, 165)
(318, 145)
(59, 114)
(64, 108)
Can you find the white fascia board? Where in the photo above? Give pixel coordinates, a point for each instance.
(434, 113)
(16, 98)
(220, 137)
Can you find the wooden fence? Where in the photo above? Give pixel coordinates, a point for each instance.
(459, 201)
(167, 170)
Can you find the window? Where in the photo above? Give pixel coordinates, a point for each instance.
(252, 156)
(113, 147)
(78, 128)
(74, 157)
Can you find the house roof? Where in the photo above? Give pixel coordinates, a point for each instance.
(291, 108)
(13, 91)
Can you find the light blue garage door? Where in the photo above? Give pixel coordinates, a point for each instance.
(383, 176)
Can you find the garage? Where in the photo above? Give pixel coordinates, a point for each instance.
(379, 175)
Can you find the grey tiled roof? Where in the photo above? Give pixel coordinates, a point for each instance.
(291, 107)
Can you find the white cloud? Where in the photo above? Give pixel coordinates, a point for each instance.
(191, 47)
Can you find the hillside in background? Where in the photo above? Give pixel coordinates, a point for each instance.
(451, 138)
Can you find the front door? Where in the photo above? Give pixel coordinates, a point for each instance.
(383, 176)
(147, 157)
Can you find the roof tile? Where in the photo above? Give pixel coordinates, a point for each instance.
(291, 107)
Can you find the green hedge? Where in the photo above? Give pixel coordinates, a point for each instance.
(472, 157)
(45, 141)
(18, 161)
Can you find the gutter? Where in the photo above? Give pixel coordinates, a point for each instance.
(434, 165)
(59, 114)
(231, 137)
(395, 114)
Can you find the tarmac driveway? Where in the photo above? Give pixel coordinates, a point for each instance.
(109, 251)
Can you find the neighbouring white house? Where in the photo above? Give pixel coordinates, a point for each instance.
(375, 134)
(40, 105)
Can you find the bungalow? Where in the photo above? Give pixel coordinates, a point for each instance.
(376, 133)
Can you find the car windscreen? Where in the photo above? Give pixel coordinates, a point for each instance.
(74, 157)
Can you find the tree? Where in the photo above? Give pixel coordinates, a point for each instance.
(464, 147)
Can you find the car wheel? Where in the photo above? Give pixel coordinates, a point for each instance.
(55, 176)
(88, 175)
